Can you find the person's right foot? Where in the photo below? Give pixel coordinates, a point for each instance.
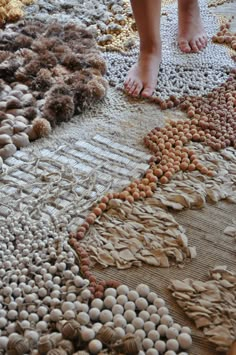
(191, 34)
(142, 77)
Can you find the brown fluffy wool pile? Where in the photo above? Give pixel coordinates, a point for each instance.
(59, 63)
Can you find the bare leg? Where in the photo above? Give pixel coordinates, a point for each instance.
(191, 36)
(142, 77)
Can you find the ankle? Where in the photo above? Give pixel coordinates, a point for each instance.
(150, 48)
(185, 5)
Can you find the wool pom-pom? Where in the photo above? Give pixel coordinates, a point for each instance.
(70, 28)
(22, 41)
(80, 47)
(47, 59)
(96, 61)
(82, 96)
(41, 127)
(73, 61)
(78, 78)
(97, 88)
(59, 72)
(61, 49)
(43, 80)
(33, 67)
(58, 109)
(30, 113)
(59, 63)
(21, 75)
(27, 53)
(31, 30)
(54, 30)
(4, 55)
(40, 45)
(57, 90)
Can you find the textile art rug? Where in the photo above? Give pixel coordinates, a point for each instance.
(118, 230)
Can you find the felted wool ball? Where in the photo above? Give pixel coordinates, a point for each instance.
(129, 315)
(151, 297)
(147, 343)
(162, 329)
(110, 292)
(144, 315)
(141, 303)
(140, 333)
(152, 352)
(143, 290)
(153, 335)
(138, 323)
(118, 309)
(97, 303)
(185, 340)
(122, 290)
(109, 301)
(160, 345)
(120, 332)
(159, 302)
(106, 316)
(172, 344)
(172, 333)
(95, 346)
(167, 320)
(133, 295)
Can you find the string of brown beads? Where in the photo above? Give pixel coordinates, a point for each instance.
(96, 287)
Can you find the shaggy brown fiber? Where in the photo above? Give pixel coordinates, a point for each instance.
(59, 63)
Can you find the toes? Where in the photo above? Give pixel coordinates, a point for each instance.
(147, 91)
(126, 83)
(133, 87)
(130, 85)
(199, 44)
(184, 46)
(137, 89)
(193, 45)
(204, 40)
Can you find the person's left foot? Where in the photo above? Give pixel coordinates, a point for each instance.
(142, 77)
(191, 33)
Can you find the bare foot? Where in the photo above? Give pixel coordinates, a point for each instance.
(191, 34)
(142, 77)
